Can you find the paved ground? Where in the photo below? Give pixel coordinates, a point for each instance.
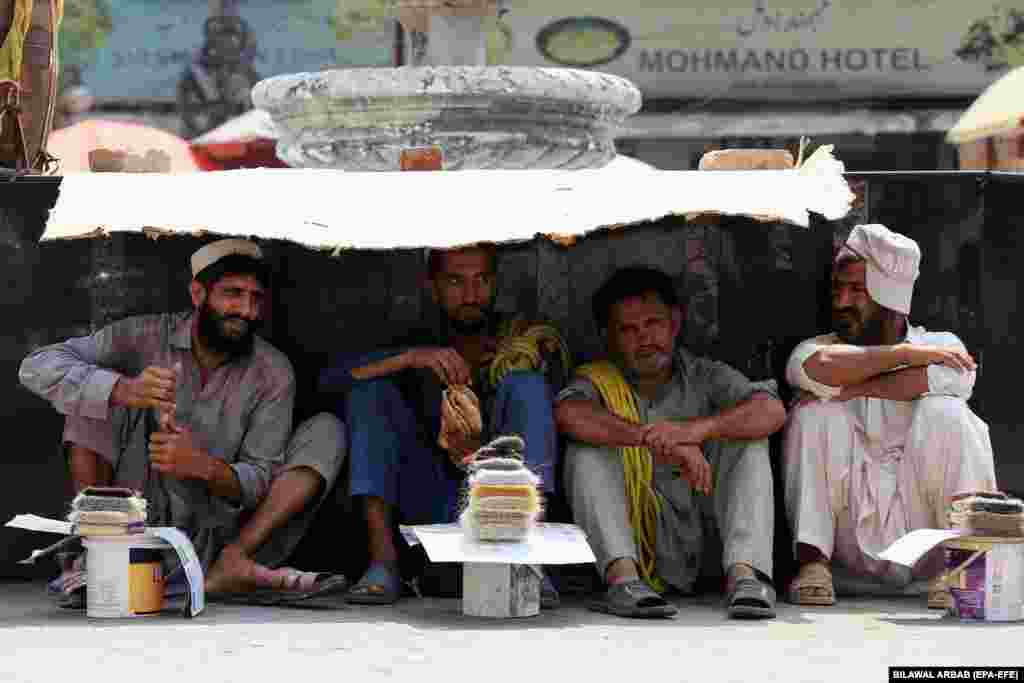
(429, 639)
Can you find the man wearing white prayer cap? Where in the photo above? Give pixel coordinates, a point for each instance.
(880, 437)
(195, 410)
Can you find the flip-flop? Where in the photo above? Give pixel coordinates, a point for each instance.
(380, 585)
(813, 586)
(751, 598)
(633, 599)
(300, 587)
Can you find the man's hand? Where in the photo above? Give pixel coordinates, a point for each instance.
(461, 447)
(802, 397)
(693, 466)
(177, 454)
(661, 436)
(154, 388)
(450, 367)
(920, 355)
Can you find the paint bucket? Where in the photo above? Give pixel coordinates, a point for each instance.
(124, 576)
(986, 578)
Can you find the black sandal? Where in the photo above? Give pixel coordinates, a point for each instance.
(633, 599)
(751, 598)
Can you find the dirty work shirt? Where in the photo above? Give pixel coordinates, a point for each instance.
(242, 415)
(743, 501)
(862, 473)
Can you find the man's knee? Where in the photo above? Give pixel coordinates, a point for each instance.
(96, 436)
(326, 430)
(948, 412)
(816, 417)
(817, 430)
(583, 460)
(371, 397)
(755, 453)
(319, 445)
(525, 384)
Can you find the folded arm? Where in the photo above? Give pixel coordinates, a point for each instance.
(758, 417)
(901, 372)
(900, 385)
(840, 365)
(587, 421)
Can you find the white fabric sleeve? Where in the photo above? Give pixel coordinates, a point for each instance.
(797, 376)
(944, 381)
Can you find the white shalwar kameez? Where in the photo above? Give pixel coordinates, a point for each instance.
(862, 473)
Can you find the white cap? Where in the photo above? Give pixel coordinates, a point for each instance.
(893, 264)
(215, 251)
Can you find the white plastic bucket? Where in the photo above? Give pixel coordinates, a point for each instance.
(108, 573)
(986, 578)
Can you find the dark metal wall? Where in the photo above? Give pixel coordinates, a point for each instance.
(971, 230)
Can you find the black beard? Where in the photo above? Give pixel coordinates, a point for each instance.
(470, 327)
(211, 332)
(871, 332)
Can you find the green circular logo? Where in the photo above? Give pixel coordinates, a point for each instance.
(583, 41)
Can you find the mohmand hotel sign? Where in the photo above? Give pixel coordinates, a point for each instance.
(776, 50)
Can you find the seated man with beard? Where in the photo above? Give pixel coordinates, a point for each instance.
(663, 440)
(407, 464)
(881, 437)
(195, 411)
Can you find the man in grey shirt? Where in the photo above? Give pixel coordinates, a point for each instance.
(702, 427)
(195, 411)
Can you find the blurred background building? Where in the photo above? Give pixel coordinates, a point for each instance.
(882, 81)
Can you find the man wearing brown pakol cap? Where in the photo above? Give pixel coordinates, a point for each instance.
(195, 411)
(881, 436)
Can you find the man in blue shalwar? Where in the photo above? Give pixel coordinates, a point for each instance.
(392, 400)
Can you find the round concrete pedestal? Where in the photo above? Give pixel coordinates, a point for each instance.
(477, 117)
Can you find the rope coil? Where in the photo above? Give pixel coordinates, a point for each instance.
(637, 463)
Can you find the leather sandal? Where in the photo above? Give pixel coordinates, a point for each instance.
(812, 586)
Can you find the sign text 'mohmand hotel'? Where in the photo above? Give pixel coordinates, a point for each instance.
(794, 48)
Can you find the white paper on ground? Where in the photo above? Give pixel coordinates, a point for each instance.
(908, 549)
(37, 523)
(189, 562)
(547, 544)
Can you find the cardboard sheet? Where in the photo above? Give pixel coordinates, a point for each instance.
(548, 544)
(325, 209)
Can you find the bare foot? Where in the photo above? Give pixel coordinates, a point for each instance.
(235, 572)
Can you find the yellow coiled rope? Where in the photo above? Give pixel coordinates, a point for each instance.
(14, 46)
(644, 506)
(520, 347)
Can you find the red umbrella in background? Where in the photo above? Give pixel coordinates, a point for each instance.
(246, 141)
(108, 145)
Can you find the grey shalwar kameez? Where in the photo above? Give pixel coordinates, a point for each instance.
(741, 508)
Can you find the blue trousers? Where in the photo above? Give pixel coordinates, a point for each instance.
(396, 459)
